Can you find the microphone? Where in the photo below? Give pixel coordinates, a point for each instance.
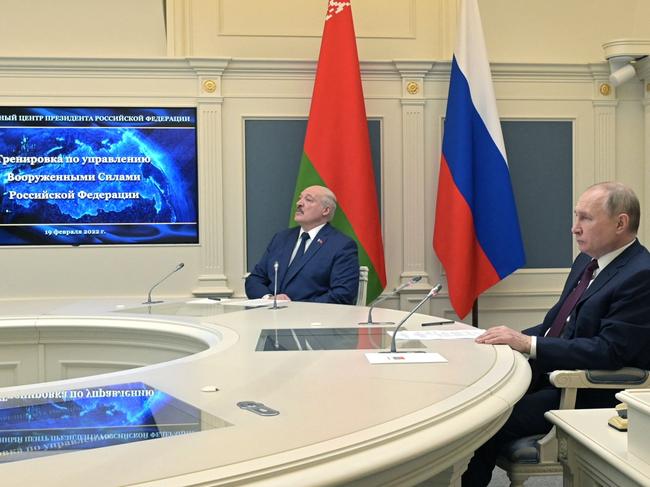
(408, 283)
(276, 266)
(149, 301)
(434, 291)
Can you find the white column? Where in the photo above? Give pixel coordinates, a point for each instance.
(604, 131)
(415, 242)
(212, 280)
(178, 28)
(645, 211)
(643, 71)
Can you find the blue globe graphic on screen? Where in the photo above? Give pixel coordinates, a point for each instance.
(108, 176)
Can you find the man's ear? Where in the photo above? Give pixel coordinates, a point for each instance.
(622, 222)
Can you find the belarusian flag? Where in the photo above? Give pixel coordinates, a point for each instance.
(337, 147)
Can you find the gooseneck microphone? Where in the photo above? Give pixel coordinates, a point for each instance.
(149, 301)
(434, 291)
(276, 266)
(410, 282)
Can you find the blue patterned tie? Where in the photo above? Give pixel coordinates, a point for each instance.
(301, 250)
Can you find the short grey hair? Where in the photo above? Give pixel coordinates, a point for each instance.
(328, 200)
(622, 199)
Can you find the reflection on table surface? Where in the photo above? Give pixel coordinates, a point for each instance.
(186, 309)
(305, 339)
(39, 424)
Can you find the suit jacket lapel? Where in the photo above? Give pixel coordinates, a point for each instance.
(313, 249)
(572, 281)
(610, 271)
(285, 256)
(569, 285)
(601, 279)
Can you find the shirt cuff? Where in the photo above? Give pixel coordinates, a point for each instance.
(533, 347)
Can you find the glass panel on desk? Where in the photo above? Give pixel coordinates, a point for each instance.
(306, 339)
(36, 424)
(187, 308)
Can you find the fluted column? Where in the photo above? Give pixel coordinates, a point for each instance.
(212, 280)
(604, 132)
(415, 242)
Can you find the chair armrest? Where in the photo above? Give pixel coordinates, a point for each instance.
(625, 378)
(569, 381)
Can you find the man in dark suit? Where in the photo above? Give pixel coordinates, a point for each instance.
(602, 324)
(315, 261)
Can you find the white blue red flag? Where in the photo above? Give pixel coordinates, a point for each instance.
(476, 234)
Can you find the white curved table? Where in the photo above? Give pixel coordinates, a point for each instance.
(342, 420)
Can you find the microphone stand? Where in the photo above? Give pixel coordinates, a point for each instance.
(149, 301)
(276, 266)
(410, 282)
(434, 291)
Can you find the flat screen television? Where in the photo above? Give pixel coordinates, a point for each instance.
(98, 175)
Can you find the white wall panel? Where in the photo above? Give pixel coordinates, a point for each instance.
(547, 64)
(82, 28)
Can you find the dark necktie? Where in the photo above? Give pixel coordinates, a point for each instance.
(301, 250)
(571, 300)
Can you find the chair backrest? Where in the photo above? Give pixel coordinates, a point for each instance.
(362, 293)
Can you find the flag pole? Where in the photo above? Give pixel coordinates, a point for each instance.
(475, 313)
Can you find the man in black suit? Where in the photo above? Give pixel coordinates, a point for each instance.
(323, 268)
(605, 326)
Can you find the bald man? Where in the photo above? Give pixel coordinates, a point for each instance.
(316, 262)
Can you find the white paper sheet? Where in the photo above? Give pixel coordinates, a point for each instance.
(203, 301)
(252, 303)
(467, 334)
(405, 358)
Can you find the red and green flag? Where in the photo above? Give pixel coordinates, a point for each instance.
(336, 153)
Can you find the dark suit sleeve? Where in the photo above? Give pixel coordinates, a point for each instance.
(258, 281)
(533, 331)
(612, 330)
(344, 277)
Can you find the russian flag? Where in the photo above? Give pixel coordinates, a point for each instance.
(476, 233)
